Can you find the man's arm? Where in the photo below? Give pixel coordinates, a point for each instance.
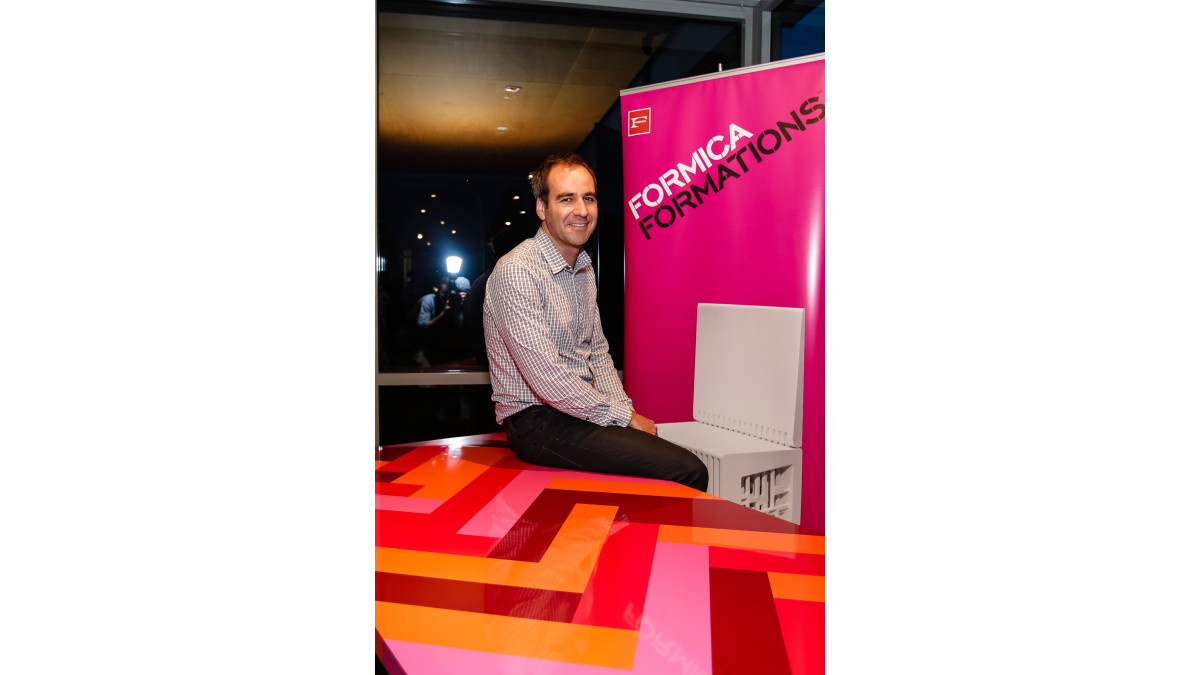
(521, 323)
(608, 382)
(605, 372)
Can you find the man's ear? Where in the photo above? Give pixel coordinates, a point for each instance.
(540, 207)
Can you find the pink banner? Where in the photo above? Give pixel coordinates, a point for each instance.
(724, 201)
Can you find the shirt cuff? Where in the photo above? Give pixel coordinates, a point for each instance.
(622, 415)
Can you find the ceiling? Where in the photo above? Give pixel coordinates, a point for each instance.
(444, 66)
(442, 81)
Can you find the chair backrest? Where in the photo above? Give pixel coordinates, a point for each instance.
(750, 370)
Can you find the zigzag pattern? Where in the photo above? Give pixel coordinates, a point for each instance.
(485, 564)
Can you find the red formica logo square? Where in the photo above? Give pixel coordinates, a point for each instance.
(639, 121)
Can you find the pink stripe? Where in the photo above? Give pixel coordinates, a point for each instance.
(409, 504)
(676, 634)
(499, 515)
(422, 659)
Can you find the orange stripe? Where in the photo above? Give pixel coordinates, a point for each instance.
(498, 634)
(448, 472)
(762, 541)
(625, 488)
(566, 565)
(379, 464)
(797, 586)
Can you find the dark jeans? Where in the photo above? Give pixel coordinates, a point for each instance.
(544, 436)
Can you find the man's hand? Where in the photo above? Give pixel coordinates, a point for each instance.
(643, 423)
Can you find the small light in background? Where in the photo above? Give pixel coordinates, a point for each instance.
(522, 213)
(420, 236)
(501, 128)
(512, 89)
(507, 222)
(453, 264)
(433, 196)
(516, 196)
(453, 231)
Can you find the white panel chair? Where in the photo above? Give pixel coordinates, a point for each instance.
(747, 405)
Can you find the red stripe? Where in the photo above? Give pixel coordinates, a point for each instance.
(616, 594)
(803, 626)
(511, 462)
(766, 561)
(397, 529)
(540, 522)
(468, 596)
(396, 489)
(529, 538)
(436, 531)
(746, 637)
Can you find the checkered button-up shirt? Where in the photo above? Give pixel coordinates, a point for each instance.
(544, 340)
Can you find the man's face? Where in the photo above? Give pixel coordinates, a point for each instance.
(570, 208)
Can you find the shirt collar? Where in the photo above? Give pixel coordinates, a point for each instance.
(554, 258)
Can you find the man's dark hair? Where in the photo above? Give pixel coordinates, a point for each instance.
(540, 179)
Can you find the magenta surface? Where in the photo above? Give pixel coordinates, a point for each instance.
(756, 238)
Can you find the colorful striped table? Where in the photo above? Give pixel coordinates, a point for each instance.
(485, 564)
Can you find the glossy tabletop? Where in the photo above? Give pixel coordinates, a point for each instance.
(485, 564)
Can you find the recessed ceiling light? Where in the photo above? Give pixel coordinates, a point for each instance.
(508, 222)
(420, 236)
(433, 196)
(516, 196)
(512, 89)
(501, 128)
(453, 231)
(422, 210)
(522, 213)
